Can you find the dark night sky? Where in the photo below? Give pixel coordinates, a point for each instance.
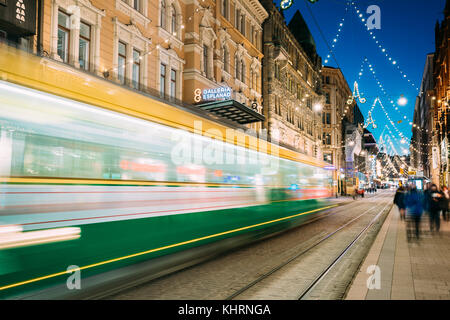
(407, 34)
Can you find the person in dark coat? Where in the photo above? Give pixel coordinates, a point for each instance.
(414, 204)
(445, 202)
(434, 207)
(400, 201)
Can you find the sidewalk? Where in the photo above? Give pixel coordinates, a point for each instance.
(409, 271)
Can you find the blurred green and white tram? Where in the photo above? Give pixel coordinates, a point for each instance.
(100, 177)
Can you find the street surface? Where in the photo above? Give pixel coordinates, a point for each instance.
(228, 276)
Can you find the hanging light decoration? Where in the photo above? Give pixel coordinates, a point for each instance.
(355, 95)
(384, 50)
(336, 38)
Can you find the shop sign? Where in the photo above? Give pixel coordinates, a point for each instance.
(212, 94)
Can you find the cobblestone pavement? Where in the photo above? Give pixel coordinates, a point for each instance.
(223, 276)
(418, 270)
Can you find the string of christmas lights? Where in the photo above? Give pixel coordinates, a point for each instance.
(390, 99)
(336, 38)
(372, 70)
(355, 95)
(382, 48)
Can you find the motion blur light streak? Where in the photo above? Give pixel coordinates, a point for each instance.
(13, 237)
(164, 248)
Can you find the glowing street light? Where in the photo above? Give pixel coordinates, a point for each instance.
(317, 107)
(402, 101)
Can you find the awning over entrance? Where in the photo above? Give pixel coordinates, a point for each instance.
(232, 110)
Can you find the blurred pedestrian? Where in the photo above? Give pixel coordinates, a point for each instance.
(414, 204)
(434, 207)
(445, 203)
(400, 202)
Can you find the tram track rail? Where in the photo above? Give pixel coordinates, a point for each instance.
(305, 293)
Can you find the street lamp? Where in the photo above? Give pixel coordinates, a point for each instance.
(317, 107)
(402, 101)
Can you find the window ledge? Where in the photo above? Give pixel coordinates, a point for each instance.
(173, 40)
(225, 75)
(132, 13)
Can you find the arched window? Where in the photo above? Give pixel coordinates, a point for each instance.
(173, 22)
(226, 59)
(163, 14)
(225, 8)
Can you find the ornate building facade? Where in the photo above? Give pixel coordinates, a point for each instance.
(223, 49)
(292, 83)
(169, 49)
(424, 146)
(442, 94)
(336, 109)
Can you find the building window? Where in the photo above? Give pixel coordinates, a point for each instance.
(173, 23)
(237, 65)
(327, 97)
(163, 14)
(300, 123)
(237, 18)
(277, 71)
(173, 83)
(85, 46)
(225, 8)
(277, 106)
(136, 68)
(243, 25)
(205, 61)
(243, 71)
(137, 5)
(226, 59)
(162, 79)
(326, 138)
(63, 36)
(328, 118)
(290, 115)
(122, 62)
(252, 35)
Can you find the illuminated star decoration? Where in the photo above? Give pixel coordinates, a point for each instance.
(370, 121)
(356, 95)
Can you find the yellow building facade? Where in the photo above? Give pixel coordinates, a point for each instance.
(170, 49)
